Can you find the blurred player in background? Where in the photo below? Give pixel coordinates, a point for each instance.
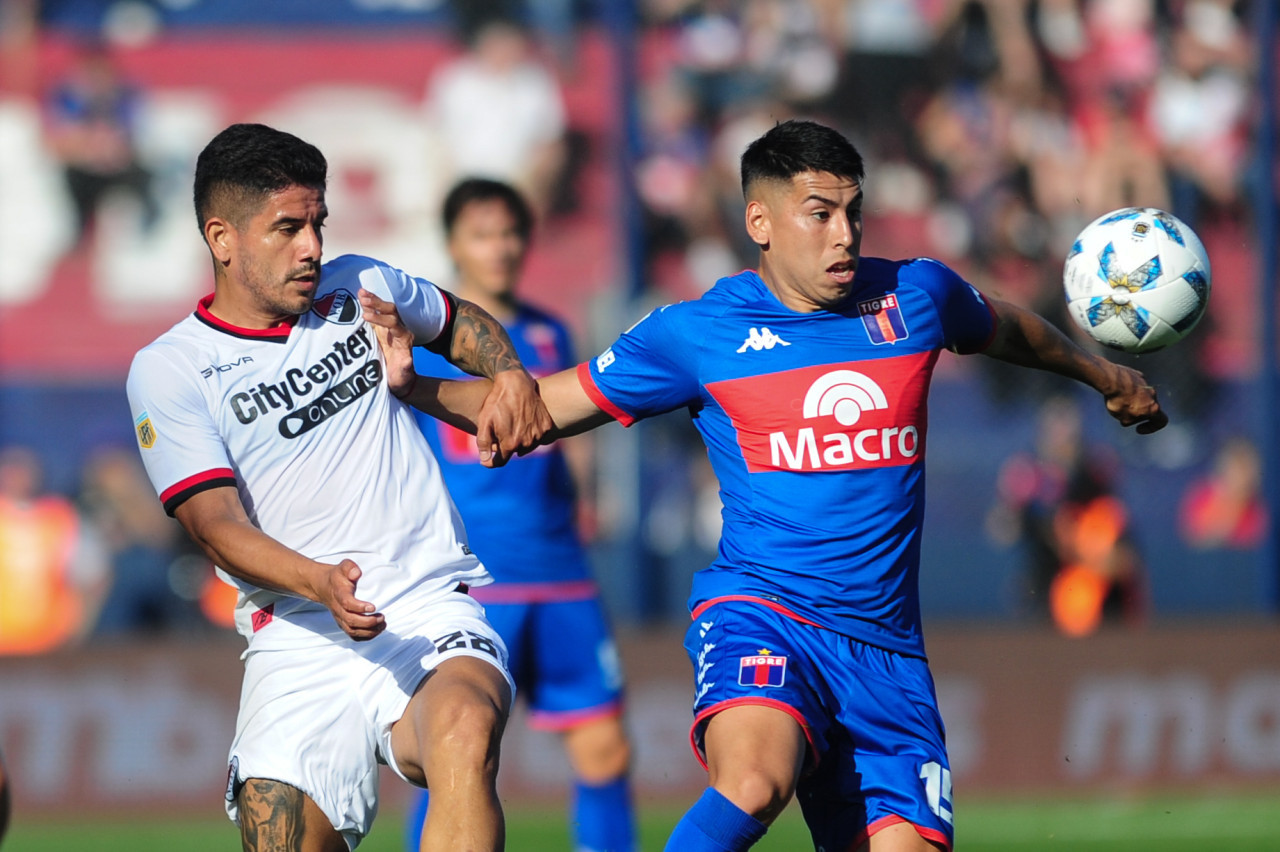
(521, 520)
(808, 380)
(269, 431)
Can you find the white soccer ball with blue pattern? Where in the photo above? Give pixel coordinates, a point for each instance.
(1137, 279)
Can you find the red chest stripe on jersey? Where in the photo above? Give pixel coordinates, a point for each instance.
(831, 417)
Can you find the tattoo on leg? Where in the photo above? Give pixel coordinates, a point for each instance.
(271, 818)
(480, 343)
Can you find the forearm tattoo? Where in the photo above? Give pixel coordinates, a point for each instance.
(480, 343)
(271, 818)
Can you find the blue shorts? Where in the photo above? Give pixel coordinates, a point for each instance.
(563, 659)
(877, 752)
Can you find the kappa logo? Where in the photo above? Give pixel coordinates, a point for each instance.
(339, 307)
(761, 338)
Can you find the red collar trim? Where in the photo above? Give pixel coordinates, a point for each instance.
(278, 333)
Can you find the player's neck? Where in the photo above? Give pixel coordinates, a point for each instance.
(241, 312)
(501, 307)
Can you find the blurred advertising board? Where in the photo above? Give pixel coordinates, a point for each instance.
(146, 725)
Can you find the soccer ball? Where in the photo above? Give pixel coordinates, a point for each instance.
(1137, 279)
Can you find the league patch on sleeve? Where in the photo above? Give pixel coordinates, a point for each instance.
(146, 432)
(765, 669)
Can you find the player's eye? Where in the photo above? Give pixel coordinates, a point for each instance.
(821, 215)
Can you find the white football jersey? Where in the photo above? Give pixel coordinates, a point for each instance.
(300, 420)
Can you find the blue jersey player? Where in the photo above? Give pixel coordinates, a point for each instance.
(521, 520)
(808, 380)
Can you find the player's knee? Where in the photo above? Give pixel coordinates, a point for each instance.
(599, 756)
(466, 733)
(760, 793)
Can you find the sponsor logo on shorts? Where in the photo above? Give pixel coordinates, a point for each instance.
(339, 307)
(764, 669)
(146, 432)
(263, 617)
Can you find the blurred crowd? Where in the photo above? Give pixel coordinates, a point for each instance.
(993, 131)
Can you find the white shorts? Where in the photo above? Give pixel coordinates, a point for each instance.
(318, 715)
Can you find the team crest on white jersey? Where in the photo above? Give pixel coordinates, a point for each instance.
(339, 306)
(761, 338)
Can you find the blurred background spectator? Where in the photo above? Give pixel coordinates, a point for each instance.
(1060, 504)
(92, 118)
(1225, 507)
(143, 545)
(500, 112)
(54, 572)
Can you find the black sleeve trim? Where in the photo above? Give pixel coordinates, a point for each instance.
(444, 340)
(171, 505)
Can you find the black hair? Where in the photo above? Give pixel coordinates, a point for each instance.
(247, 162)
(483, 189)
(797, 146)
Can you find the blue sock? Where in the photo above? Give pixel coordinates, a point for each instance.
(601, 818)
(413, 823)
(715, 824)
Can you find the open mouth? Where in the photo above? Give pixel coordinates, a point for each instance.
(843, 271)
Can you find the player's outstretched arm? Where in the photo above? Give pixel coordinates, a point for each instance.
(460, 403)
(1027, 339)
(511, 418)
(216, 521)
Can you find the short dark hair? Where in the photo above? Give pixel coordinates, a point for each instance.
(797, 146)
(472, 190)
(245, 163)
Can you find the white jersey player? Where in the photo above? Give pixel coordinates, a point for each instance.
(266, 426)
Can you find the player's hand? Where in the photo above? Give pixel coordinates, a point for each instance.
(512, 420)
(358, 619)
(1133, 402)
(395, 339)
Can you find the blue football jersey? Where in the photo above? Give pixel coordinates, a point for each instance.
(520, 518)
(815, 424)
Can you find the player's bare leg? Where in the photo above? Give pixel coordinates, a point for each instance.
(898, 838)
(754, 757)
(448, 739)
(277, 817)
(598, 750)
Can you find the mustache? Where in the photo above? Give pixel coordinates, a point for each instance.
(305, 270)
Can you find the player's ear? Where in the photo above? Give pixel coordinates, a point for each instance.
(220, 236)
(758, 223)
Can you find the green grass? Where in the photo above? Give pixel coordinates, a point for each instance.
(1182, 823)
